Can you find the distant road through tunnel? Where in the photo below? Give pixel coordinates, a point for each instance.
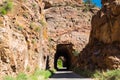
(63, 53)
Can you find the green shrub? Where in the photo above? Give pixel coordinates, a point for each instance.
(98, 75)
(42, 73)
(8, 78)
(42, 22)
(7, 6)
(20, 28)
(34, 5)
(47, 74)
(75, 53)
(108, 75)
(21, 76)
(37, 29)
(32, 25)
(59, 63)
(34, 41)
(88, 5)
(53, 70)
(25, 15)
(37, 75)
(28, 69)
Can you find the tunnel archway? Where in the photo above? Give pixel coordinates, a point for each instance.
(62, 51)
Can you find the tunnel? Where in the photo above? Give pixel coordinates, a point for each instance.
(63, 53)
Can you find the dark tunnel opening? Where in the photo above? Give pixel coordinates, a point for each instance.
(62, 53)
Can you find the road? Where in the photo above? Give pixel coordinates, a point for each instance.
(67, 75)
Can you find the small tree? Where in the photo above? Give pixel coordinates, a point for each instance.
(89, 4)
(6, 6)
(88, 1)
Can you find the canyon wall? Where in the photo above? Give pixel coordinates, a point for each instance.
(26, 40)
(68, 23)
(22, 29)
(103, 49)
(30, 31)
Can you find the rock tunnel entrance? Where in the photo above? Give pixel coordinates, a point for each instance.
(63, 52)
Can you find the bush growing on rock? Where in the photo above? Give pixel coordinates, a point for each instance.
(37, 75)
(6, 6)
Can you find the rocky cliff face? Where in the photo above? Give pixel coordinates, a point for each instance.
(21, 36)
(103, 50)
(68, 24)
(25, 44)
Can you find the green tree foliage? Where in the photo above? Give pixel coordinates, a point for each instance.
(88, 5)
(59, 63)
(88, 1)
(5, 7)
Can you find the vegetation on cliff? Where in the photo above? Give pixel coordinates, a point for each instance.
(5, 7)
(36, 75)
(99, 75)
(107, 75)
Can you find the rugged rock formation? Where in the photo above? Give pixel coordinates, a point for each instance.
(51, 3)
(21, 36)
(68, 24)
(24, 42)
(103, 50)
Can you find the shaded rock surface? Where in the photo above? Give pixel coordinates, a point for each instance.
(103, 50)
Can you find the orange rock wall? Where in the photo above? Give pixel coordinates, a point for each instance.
(22, 37)
(103, 49)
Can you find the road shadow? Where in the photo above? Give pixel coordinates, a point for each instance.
(65, 74)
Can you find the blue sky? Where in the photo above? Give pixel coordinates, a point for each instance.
(97, 2)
